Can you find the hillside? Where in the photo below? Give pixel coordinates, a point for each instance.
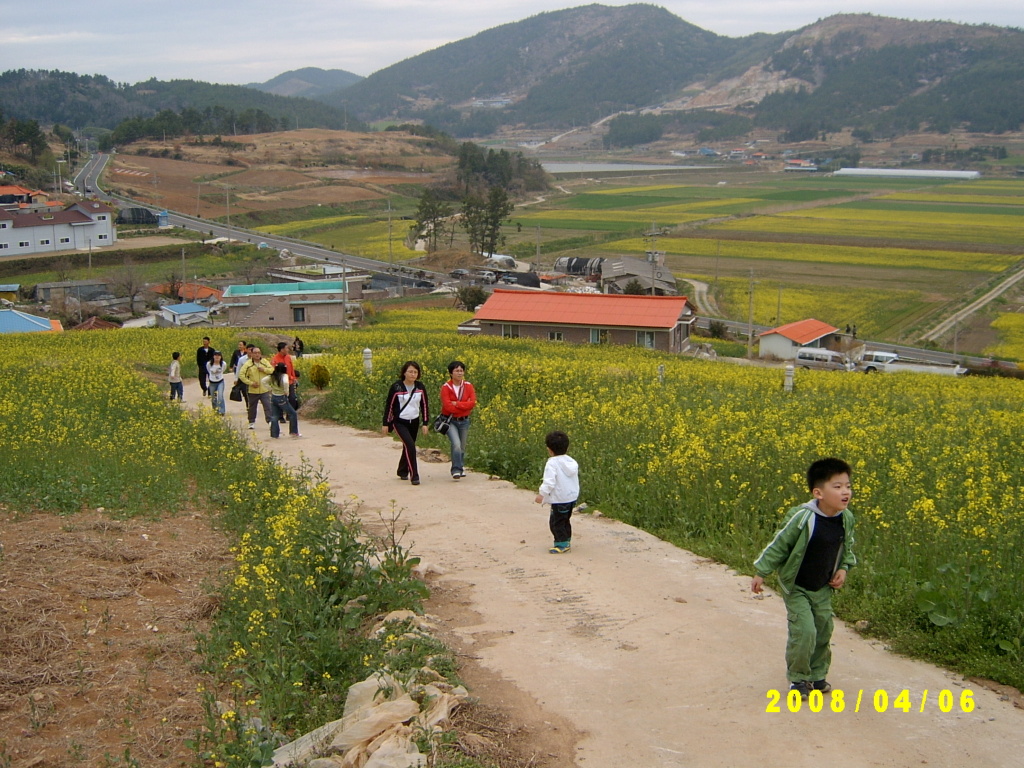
(880, 75)
(96, 101)
(308, 82)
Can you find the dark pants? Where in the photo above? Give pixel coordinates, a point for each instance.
(203, 373)
(281, 408)
(254, 400)
(407, 431)
(559, 522)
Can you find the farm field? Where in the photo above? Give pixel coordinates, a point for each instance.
(707, 459)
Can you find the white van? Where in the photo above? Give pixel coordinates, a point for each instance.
(819, 359)
(874, 360)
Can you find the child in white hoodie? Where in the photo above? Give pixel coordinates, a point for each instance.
(561, 489)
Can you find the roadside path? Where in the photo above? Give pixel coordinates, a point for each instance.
(649, 655)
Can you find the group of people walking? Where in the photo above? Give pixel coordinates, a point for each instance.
(407, 412)
(271, 383)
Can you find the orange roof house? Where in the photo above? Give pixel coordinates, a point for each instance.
(784, 341)
(654, 322)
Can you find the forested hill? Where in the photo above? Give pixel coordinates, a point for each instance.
(82, 101)
(308, 82)
(554, 70)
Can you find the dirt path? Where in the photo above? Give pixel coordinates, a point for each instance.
(631, 652)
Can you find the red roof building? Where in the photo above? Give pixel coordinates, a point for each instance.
(784, 341)
(653, 322)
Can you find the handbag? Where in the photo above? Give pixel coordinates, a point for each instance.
(236, 393)
(442, 424)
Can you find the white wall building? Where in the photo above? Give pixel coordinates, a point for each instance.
(83, 225)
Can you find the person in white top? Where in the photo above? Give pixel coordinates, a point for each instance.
(561, 489)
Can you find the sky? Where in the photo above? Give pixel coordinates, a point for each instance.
(246, 41)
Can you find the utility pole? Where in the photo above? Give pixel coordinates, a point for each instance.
(653, 255)
(750, 319)
(391, 256)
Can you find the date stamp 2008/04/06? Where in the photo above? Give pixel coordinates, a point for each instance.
(879, 701)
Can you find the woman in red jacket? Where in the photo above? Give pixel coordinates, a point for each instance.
(458, 399)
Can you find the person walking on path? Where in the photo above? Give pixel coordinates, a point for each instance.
(238, 359)
(458, 399)
(298, 347)
(215, 381)
(277, 382)
(284, 358)
(253, 373)
(204, 355)
(812, 553)
(561, 489)
(174, 377)
(405, 409)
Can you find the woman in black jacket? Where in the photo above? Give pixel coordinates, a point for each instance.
(405, 410)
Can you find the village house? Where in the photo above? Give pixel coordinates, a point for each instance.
(662, 323)
(783, 342)
(13, 321)
(183, 314)
(322, 303)
(82, 225)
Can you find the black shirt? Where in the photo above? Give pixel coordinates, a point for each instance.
(819, 563)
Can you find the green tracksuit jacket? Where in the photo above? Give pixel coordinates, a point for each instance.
(785, 552)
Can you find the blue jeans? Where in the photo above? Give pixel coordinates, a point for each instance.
(458, 432)
(216, 389)
(279, 405)
(177, 388)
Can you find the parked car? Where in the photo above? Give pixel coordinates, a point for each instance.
(874, 360)
(509, 280)
(487, 276)
(820, 359)
(459, 274)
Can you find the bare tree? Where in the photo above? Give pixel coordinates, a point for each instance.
(128, 282)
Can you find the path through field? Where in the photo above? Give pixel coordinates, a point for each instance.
(631, 652)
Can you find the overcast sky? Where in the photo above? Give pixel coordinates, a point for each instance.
(243, 41)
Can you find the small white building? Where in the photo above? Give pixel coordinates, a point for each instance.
(185, 314)
(783, 342)
(908, 173)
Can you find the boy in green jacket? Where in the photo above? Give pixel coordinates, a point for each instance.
(812, 553)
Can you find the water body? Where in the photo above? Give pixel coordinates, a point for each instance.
(630, 167)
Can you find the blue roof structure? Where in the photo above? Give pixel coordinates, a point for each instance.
(13, 321)
(185, 309)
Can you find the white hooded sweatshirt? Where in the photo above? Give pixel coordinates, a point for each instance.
(561, 480)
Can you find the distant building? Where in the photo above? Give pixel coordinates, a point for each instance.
(184, 314)
(13, 321)
(10, 291)
(82, 225)
(653, 322)
(783, 342)
(81, 290)
(909, 173)
(287, 305)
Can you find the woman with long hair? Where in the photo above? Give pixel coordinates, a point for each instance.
(280, 406)
(405, 412)
(215, 381)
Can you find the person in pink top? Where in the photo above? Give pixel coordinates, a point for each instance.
(458, 399)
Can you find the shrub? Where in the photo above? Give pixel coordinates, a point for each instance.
(320, 376)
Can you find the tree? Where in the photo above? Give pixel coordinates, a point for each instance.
(471, 296)
(430, 218)
(496, 213)
(634, 288)
(128, 282)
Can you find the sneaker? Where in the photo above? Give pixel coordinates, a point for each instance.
(804, 686)
(403, 477)
(558, 550)
(296, 436)
(252, 425)
(462, 473)
(822, 685)
(456, 475)
(415, 481)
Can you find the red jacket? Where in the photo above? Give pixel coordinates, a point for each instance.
(452, 404)
(284, 357)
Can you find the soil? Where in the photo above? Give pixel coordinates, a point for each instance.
(626, 651)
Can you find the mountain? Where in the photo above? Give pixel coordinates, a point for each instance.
(308, 82)
(96, 101)
(578, 66)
